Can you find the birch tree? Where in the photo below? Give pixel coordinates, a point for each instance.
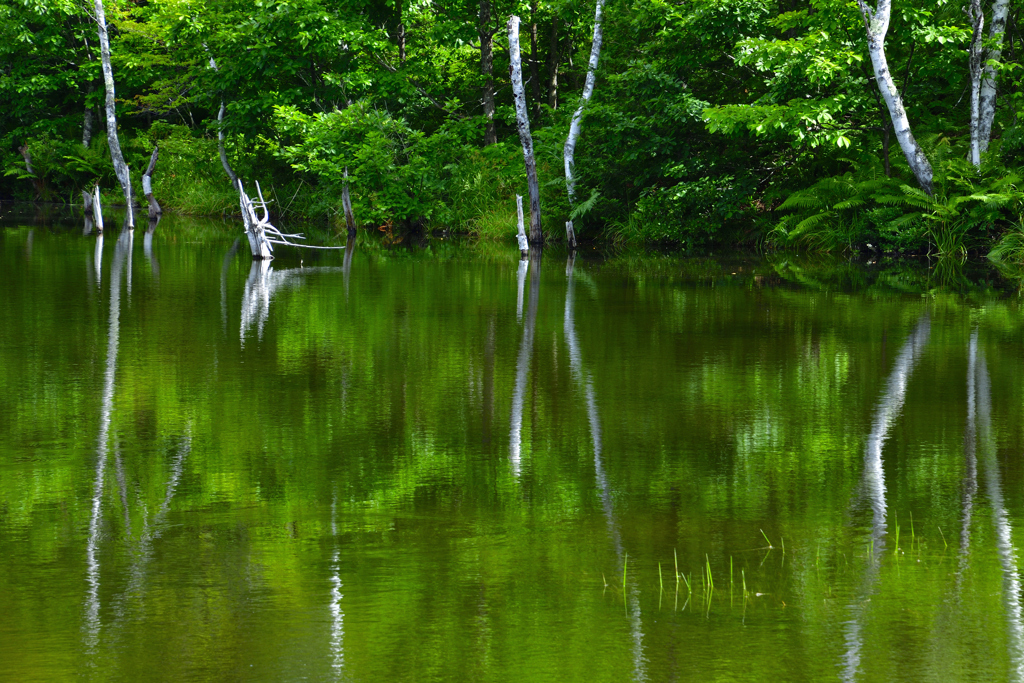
(876, 23)
(569, 153)
(523, 125)
(120, 167)
(977, 19)
(987, 94)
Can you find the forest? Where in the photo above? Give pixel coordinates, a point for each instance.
(832, 125)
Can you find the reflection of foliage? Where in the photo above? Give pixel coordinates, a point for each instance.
(733, 397)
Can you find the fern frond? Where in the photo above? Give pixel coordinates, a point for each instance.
(849, 204)
(809, 223)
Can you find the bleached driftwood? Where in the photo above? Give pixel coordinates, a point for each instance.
(261, 233)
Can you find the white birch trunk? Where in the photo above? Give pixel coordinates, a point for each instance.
(569, 153)
(977, 19)
(524, 245)
(987, 105)
(877, 24)
(97, 209)
(120, 167)
(523, 124)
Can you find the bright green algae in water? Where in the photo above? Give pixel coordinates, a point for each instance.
(402, 469)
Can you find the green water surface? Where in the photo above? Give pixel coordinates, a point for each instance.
(433, 464)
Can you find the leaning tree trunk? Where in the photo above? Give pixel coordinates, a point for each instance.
(876, 22)
(235, 182)
(487, 69)
(577, 118)
(977, 19)
(523, 124)
(232, 176)
(987, 97)
(120, 167)
(147, 186)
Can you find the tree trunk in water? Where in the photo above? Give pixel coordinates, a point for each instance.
(523, 124)
(569, 153)
(258, 244)
(524, 244)
(120, 167)
(534, 76)
(1000, 9)
(553, 64)
(97, 208)
(147, 186)
(487, 69)
(977, 19)
(346, 205)
(876, 22)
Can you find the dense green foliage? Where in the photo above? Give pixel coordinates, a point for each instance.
(713, 122)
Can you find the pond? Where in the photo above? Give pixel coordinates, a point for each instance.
(432, 463)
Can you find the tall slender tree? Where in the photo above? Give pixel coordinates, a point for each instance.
(120, 167)
(876, 23)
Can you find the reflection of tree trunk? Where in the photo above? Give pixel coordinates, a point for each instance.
(224, 284)
(346, 263)
(1000, 519)
(970, 481)
(147, 247)
(873, 485)
(584, 380)
(523, 364)
(337, 614)
(92, 615)
(486, 34)
(488, 389)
